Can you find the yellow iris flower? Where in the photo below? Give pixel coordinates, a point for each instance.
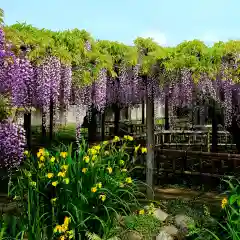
(26, 153)
(84, 170)
(86, 159)
(137, 148)
(53, 200)
(63, 154)
(66, 180)
(64, 167)
(102, 197)
(127, 137)
(92, 151)
(105, 142)
(97, 147)
(128, 180)
(50, 175)
(144, 150)
(66, 221)
(40, 165)
(58, 229)
(55, 183)
(61, 174)
(116, 139)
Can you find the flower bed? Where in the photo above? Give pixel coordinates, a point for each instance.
(66, 194)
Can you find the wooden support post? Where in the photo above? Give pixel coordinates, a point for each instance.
(44, 125)
(143, 111)
(116, 119)
(214, 128)
(166, 122)
(103, 126)
(51, 121)
(92, 126)
(150, 146)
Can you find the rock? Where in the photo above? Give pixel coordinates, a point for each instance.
(132, 235)
(161, 215)
(164, 236)
(183, 222)
(171, 230)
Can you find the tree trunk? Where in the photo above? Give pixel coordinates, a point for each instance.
(27, 127)
(150, 145)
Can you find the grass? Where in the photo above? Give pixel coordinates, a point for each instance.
(64, 136)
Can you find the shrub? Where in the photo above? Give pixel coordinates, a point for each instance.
(229, 228)
(66, 194)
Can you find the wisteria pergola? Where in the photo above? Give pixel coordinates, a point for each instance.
(50, 70)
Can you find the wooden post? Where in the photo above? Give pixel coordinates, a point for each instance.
(150, 145)
(214, 128)
(51, 120)
(143, 111)
(116, 119)
(44, 125)
(92, 126)
(103, 126)
(166, 122)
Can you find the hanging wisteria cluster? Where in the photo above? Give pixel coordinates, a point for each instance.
(30, 85)
(12, 144)
(12, 138)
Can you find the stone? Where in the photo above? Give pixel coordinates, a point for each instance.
(132, 235)
(161, 215)
(164, 236)
(183, 221)
(171, 230)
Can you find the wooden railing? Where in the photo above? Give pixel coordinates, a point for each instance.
(193, 168)
(190, 140)
(197, 162)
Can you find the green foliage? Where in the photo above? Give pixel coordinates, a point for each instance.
(1, 16)
(90, 187)
(5, 107)
(232, 208)
(69, 47)
(147, 225)
(230, 225)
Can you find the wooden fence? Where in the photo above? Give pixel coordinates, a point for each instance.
(197, 162)
(191, 168)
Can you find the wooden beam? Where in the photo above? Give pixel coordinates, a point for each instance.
(150, 145)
